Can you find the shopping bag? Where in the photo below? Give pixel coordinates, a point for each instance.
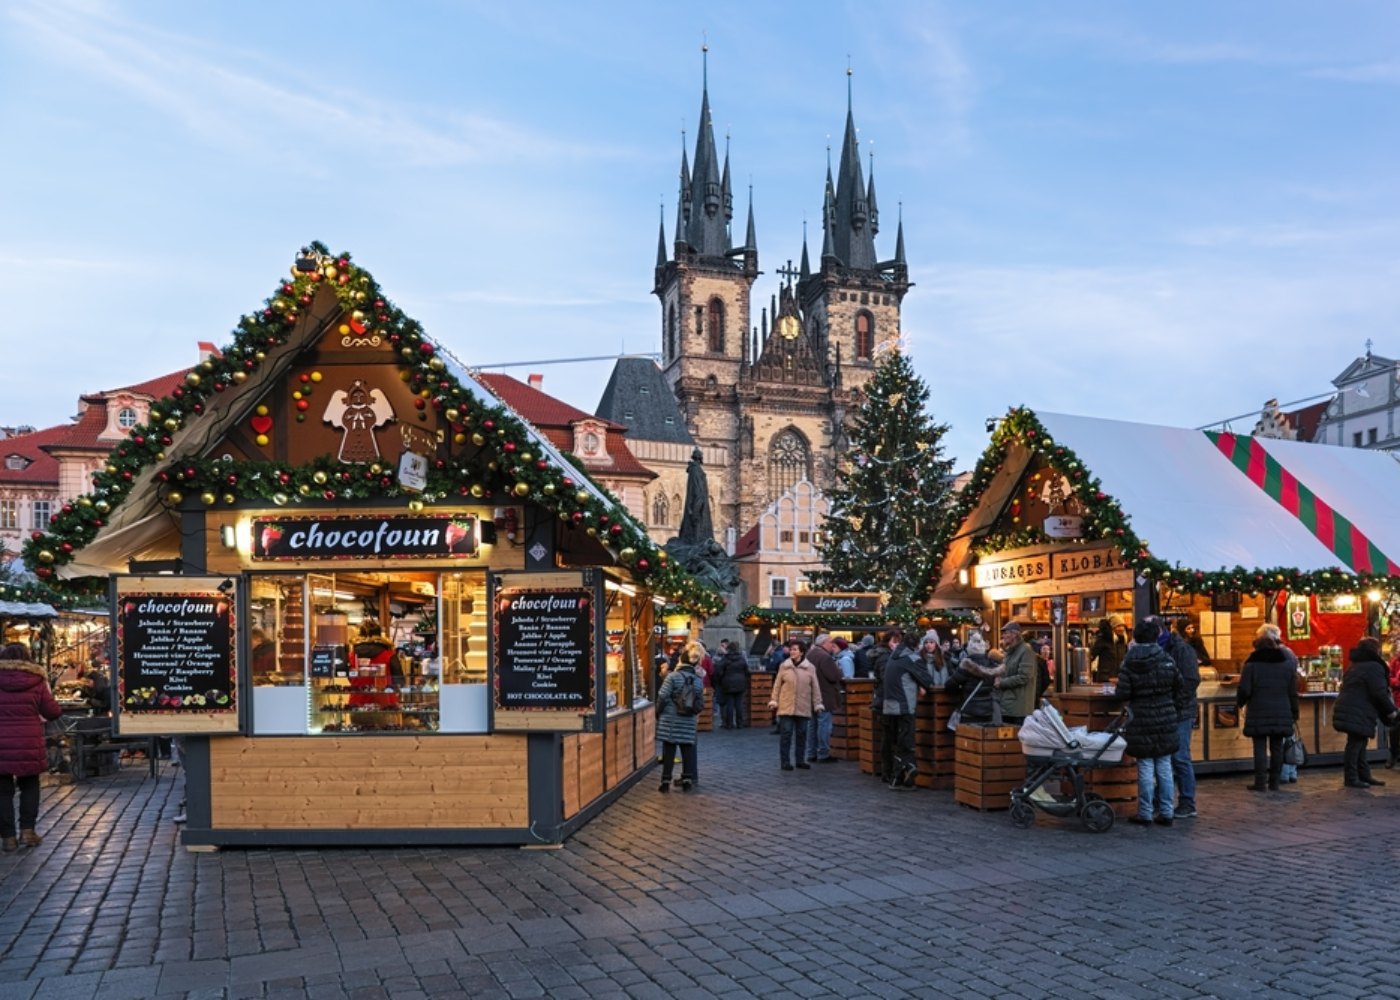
(1293, 750)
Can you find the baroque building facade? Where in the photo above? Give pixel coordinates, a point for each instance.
(771, 401)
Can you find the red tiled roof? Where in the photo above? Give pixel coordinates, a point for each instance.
(1305, 421)
(747, 544)
(156, 388)
(555, 419)
(42, 468)
(83, 433)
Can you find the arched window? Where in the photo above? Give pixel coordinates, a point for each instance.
(865, 335)
(789, 461)
(671, 332)
(716, 326)
(661, 511)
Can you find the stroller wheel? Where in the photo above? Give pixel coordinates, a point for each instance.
(1097, 816)
(1022, 814)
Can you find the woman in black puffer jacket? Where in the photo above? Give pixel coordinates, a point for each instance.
(1364, 700)
(1268, 693)
(1152, 686)
(975, 666)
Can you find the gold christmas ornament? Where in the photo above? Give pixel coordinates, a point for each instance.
(111, 469)
(319, 477)
(174, 496)
(548, 489)
(192, 378)
(477, 491)
(230, 498)
(452, 415)
(171, 424)
(280, 499)
(525, 456)
(522, 489)
(102, 506)
(240, 377)
(415, 505)
(304, 490)
(436, 364)
(45, 556)
(84, 502)
(581, 496)
(208, 499)
(478, 439)
(376, 468)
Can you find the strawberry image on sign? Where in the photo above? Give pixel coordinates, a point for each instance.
(456, 532)
(271, 535)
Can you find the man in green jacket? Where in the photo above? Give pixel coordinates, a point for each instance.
(1016, 687)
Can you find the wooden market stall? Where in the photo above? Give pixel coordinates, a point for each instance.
(380, 607)
(1067, 521)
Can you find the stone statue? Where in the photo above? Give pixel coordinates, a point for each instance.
(695, 548)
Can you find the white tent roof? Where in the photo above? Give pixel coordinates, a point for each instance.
(1192, 507)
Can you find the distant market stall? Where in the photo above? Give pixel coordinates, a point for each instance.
(1069, 520)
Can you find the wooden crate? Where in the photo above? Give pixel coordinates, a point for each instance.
(988, 764)
(860, 736)
(1117, 784)
(760, 690)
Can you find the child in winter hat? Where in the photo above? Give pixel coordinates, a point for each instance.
(976, 644)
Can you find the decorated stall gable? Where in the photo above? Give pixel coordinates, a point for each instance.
(1330, 528)
(175, 656)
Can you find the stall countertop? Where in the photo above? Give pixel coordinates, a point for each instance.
(1228, 694)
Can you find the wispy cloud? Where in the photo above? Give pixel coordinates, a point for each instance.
(206, 91)
(1373, 72)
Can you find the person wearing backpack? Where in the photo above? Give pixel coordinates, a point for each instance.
(678, 705)
(795, 699)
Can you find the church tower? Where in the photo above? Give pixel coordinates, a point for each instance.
(771, 402)
(703, 285)
(851, 305)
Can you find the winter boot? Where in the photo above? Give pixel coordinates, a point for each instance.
(9, 845)
(30, 839)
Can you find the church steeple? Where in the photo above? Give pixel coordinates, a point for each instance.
(750, 238)
(853, 236)
(709, 206)
(661, 255)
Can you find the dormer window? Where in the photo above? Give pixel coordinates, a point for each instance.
(16, 463)
(126, 418)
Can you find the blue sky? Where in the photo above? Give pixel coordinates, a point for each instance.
(1157, 212)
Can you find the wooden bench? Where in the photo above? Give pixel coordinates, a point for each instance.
(82, 750)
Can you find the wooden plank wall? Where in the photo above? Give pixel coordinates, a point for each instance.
(1116, 783)
(469, 782)
(989, 765)
(630, 745)
(860, 734)
(760, 690)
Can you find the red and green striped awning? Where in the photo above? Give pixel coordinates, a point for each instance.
(1350, 544)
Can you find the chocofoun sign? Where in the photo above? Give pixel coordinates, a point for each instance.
(175, 656)
(544, 649)
(358, 537)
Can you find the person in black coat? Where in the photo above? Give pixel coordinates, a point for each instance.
(1364, 700)
(1268, 694)
(970, 683)
(730, 682)
(1152, 686)
(1109, 648)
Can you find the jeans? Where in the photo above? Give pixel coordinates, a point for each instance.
(819, 740)
(668, 761)
(1354, 760)
(1183, 773)
(788, 726)
(28, 803)
(1155, 789)
(732, 709)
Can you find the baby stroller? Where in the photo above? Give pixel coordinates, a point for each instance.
(1056, 755)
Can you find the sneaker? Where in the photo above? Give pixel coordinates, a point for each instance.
(1139, 821)
(10, 845)
(1189, 812)
(897, 786)
(180, 816)
(28, 838)
(686, 784)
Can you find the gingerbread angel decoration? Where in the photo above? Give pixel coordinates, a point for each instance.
(358, 411)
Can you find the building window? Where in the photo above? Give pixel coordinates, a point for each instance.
(785, 537)
(661, 510)
(803, 585)
(865, 335)
(126, 418)
(789, 461)
(777, 586)
(671, 332)
(9, 514)
(42, 511)
(716, 326)
(1356, 439)
(803, 538)
(1371, 436)
(699, 321)
(15, 463)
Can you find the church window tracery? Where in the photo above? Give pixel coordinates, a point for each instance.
(661, 510)
(865, 335)
(789, 462)
(716, 326)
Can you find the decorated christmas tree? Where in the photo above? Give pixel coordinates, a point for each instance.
(886, 528)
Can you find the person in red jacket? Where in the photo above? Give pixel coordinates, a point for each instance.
(25, 702)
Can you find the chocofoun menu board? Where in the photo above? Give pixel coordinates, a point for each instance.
(176, 656)
(545, 676)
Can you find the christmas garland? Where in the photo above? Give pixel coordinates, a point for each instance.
(1104, 519)
(502, 462)
(755, 616)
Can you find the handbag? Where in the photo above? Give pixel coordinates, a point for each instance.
(955, 719)
(1293, 750)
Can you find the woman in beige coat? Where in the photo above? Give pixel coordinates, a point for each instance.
(797, 696)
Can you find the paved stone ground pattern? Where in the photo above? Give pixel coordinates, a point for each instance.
(807, 884)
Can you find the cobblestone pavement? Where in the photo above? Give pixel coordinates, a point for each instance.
(805, 884)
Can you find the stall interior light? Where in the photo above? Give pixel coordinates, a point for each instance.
(339, 596)
(1373, 596)
(963, 577)
(621, 588)
(228, 534)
